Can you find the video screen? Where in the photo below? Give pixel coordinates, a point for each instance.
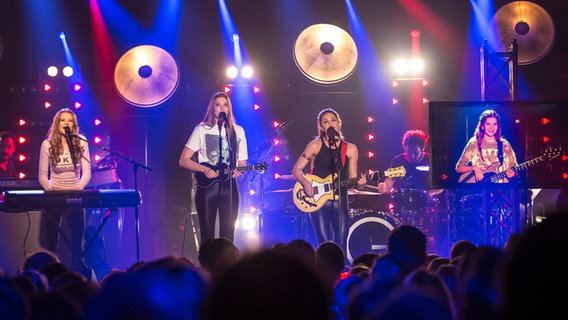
(537, 131)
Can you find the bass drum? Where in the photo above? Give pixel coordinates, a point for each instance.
(370, 234)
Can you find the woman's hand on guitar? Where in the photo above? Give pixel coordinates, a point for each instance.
(236, 173)
(510, 173)
(479, 176)
(308, 189)
(362, 182)
(210, 173)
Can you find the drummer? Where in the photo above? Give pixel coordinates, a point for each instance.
(416, 162)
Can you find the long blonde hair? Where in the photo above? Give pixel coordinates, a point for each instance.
(55, 138)
(210, 119)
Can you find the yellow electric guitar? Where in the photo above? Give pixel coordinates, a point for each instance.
(323, 188)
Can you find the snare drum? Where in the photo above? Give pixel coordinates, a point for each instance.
(370, 234)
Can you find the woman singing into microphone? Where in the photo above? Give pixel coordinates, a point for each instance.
(329, 153)
(64, 164)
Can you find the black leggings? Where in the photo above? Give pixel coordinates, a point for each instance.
(50, 230)
(331, 225)
(217, 198)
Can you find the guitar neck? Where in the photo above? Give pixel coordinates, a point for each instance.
(245, 168)
(518, 168)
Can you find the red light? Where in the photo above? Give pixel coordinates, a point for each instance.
(276, 142)
(98, 157)
(275, 124)
(22, 175)
(98, 122)
(564, 175)
(370, 137)
(394, 83)
(77, 87)
(370, 154)
(47, 87)
(252, 192)
(425, 100)
(47, 105)
(226, 89)
(276, 176)
(277, 158)
(77, 105)
(425, 83)
(394, 101)
(370, 119)
(390, 206)
(564, 157)
(545, 139)
(97, 139)
(22, 140)
(22, 158)
(544, 121)
(256, 89)
(256, 107)
(22, 122)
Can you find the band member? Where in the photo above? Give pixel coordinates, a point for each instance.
(219, 143)
(64, 164)
(487, 151)
(329, 153)
(416, 162)
(7, 149)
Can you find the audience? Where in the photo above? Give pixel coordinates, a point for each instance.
(522, 280)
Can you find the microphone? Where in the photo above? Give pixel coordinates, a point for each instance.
(68, 132)
(332, 133)
(223, 116)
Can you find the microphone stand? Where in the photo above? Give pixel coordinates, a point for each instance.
(336, 184)
(135, 166)
(232, 166)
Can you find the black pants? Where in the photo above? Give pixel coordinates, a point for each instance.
(51, 233)
(213, 199)
(330, 223)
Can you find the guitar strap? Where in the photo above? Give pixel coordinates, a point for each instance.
(500, 151)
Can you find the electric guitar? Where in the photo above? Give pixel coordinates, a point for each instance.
(492, 174)
(224, 173)
(323, 188)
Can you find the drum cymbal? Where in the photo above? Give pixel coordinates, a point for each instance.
(529, 24)
(325, 54)
(146, 76)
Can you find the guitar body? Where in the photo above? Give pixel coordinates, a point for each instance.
(469, 177)
(224, 173)
(323, 188)
(322, 193)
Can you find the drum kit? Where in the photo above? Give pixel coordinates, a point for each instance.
(374, 215)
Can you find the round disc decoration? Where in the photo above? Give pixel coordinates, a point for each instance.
(529, 24)
(325, 54)
(146, 76)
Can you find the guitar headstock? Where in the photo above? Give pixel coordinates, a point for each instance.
(551, 153)
(397, 172)
(261, 166)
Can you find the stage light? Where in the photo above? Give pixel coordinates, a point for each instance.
(77, 87)
(97, 122)
(47, 105)
(370, 154)
(276, 175)
(252, 192)
(227, 89)
(22, 175)
(370, 119)
(22, 122)
(97, 157)
(399, 66)
(394, 101)
(52, 71)
(416, 66)
(275, 124)
(425, 82)
(67, 71)
(256, 89)
(232, 72)
(256, 107)
(62, 35)
(246, 72)
(22, 157)
(97, 139)
(276, 158)
(545, 121)
(425, 100)
(395, 84)
(47, 87)
(545, 139)
(77, 105)
(370, 137)
(276, 142)
(22, 140)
